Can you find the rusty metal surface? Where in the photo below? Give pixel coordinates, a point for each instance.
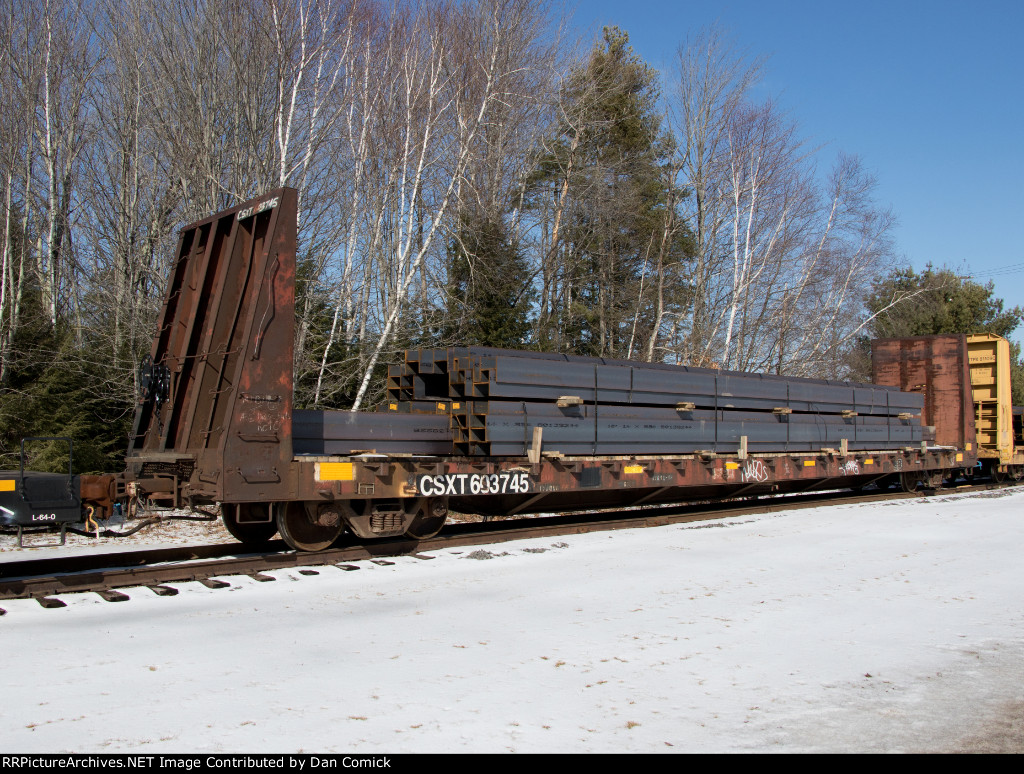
(218, 406)
(937, 367)
(513, 485)
(100, 492)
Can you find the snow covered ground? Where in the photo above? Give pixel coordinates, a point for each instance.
(866, 628)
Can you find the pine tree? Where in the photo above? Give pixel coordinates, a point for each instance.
(490, 290)
(937, 301)
(607, 172)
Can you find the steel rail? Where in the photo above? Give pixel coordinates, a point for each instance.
(41, 580)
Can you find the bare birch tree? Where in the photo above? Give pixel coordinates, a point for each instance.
(783, 258)
(847, 249)
(449, 76)
(127, 227)
(48, 61)
(20, 77)
(713, 83)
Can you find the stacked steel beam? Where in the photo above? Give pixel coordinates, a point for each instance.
(506, 428)
(586, 405)
(365, 432)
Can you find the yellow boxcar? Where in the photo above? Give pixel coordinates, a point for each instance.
(989, 358)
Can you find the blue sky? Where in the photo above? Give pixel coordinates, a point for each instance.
(928, 94)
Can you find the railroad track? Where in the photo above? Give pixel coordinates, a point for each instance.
(104, 574)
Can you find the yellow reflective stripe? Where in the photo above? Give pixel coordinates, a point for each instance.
(334, 471)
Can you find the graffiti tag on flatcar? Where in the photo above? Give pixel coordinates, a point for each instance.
(755, 470)
(455, 484)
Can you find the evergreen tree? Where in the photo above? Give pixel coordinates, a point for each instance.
(491, 288)
(62, 381)
(60, 386)
(607, 172)
(935, 301)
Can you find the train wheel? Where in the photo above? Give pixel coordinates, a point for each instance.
(997, 473)
(428, 522)
(302, 534)
(909, 481)
(249, 523)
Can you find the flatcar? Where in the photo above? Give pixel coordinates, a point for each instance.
(479, 430)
